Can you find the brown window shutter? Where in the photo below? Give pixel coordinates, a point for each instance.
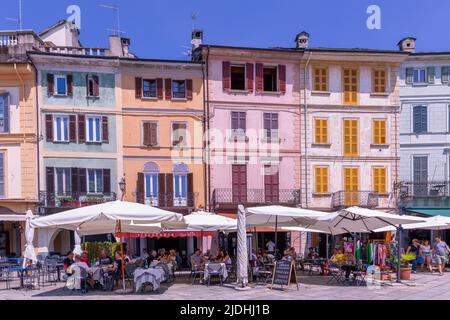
(226, 75)
(75, 180)
(50, 83)
(168, 87)
(250, 77)
(105, 130)
(162, 190)
(159, 88)
(190, 189)
(82, 180)
(153, 134)
(138, 88)
(73, 128)
(49, 127)
(146, 133)
(189, 89)
(140, 186)
(106, 181)
(96, 86)
(259, 77)
(169, 190)
(69, 85)
(50, 179)
(81, 129)
(282, 78)
(87, 85)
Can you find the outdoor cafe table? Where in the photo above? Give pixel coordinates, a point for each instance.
(21, 272)
(215, 267)
(152, 276)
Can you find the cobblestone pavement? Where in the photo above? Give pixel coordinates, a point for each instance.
(424, 286)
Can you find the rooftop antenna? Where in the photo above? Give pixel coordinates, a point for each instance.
(19, 20)
(193, 18)
(116, 28)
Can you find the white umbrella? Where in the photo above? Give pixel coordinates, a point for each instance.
(433, 223)
(207, 221)
(77, 250)
(301, 229)
(242, 254)
(29, 237)
(102, 218)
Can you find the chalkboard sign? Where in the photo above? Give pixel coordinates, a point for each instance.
(283, 272)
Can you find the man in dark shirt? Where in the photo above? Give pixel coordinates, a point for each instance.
(153, 256)
(105, 259)
(68, 260)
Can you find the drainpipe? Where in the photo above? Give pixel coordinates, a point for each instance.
(208, 137)
(305, 127)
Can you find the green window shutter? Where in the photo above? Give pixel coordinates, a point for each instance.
(409, 75)
(430, 74)
(445, 75)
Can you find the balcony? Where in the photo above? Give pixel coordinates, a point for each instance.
(363, 199)
(68, 200)
(14, 45)
(168, 200)
(99, 52)
(230, 199)
(429, 194)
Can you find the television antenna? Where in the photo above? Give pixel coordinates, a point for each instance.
(18, 20)
(193, 19)
(116, 10)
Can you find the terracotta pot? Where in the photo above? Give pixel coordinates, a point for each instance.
(405, 273)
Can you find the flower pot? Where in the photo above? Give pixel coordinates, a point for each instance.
(405, 273)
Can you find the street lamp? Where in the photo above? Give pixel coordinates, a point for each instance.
(122, 186)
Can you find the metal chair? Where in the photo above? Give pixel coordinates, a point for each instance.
(129, 273)
(336, 274)
(214, 270)
(31, 279)
(197, 272)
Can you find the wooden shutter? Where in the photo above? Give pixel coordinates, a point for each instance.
(409, 75)
(226, 75)
(239, 183)
(321, 131)
(81, 129)
(379, 180)
(420, 119)
(249, 67)
(69, 85)
(96, 80)
(168, 88)
(350, 137)
(153, 134)
(50, 179)
(430, 74)
(445, 74)
(74, 179)
(49, 127)
(87, 86)
(169, 190)
(146, 133)
(105, 130)
(190, 189)
(73, 128)
(50, 83)
(140, 186)
(162, 190)
(189, 89)
(379, 131)
(138, 87)
(82, 176)
(159, 88)
(271, 184)
(259, 77)
(282, 78)
(5, 98)
(106, 181)
(321, 183)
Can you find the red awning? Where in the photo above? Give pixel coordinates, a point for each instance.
(166, 234)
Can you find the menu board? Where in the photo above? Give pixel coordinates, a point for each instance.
(284, 273)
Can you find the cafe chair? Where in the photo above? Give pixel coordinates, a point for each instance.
(336, 274)
(197, 272)
(214, 270)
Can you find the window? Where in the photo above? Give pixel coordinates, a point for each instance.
(4, 113)
(321, 183)
(237, 77)
(321, 131)
(379, 131)
(93, 129)
(379, 180)
(238, 123)
(379, 81)
(151, 188)
(420, 119)
(351, 186)
(150, 134)
(61, 85)
(95, 181)
(61, 125)
(149, 88)
(350, 137)
(63, 181)
(320, 79)
(179, 134)
(92, 86)
(2, 175)
(180, 186)
(419, 75)
(179, 89)
(270, 79)
(420, 175)
(350, 86)
(271, 125)
(239, 183)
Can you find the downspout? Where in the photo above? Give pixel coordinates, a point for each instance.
(305, 127)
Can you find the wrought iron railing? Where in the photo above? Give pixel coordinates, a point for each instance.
(425, 189)
(364, 199)
(255, 196)
(167, 200)
(73, 199)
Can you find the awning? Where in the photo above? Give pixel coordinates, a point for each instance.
(431, 212)
(167, 234)
(13, 217)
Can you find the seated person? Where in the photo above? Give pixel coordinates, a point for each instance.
(105, 260)
(226, 258)
(68, 261)
(84, 257)
(312, 254)
(78, 263)
(197, 260)
(166, 258)
(153, 256)
(145, 254)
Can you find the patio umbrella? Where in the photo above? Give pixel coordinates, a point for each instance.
(77, 250)
(242, 254)
(207, 221)
(29, 255)
(433, 223)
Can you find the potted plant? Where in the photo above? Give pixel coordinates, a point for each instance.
(90, 201)
(405, 269)
(67, 202)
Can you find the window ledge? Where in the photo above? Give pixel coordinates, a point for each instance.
(321, 145)
(237, 91)
(271, 93)
(92, 143)
(61, 142)
(379, 94)
(151, 146)
(93, 97)
(379, 146)
(383, 195)
(179, 99)
(321, 194)
(238, 139)
(150, 98)
(421, 84)
(320, 93)
(271, 140)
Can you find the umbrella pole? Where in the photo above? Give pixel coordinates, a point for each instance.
(122, 255)
(399, 241)
(326, 244)
(276, 237)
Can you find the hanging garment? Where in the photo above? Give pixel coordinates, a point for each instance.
(358, 250)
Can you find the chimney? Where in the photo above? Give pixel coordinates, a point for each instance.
(302, 40)
(407, 45)
(119, 47)
(197, 38)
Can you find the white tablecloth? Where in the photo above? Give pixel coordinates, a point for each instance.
(152, 276)
(215, 266)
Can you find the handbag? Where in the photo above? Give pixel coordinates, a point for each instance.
(420, 260)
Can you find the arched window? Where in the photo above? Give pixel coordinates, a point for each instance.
(180, 168)
(151, 167)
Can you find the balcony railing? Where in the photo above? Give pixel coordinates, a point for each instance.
(232, 197)
(425, 189)
(79, 51)
(167, 200)
(364, 199)
(8, 40)
(73, 199)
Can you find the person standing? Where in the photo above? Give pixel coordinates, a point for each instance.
(441, 250)
(270, 245)
(425, 253)
(414, 248)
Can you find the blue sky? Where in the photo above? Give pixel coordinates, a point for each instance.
(160, 29)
